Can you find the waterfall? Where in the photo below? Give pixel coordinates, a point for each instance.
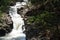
(18, 22)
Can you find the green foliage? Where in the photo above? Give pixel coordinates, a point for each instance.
(48, 14)
(46, 17)
(4, 4)
(37, 1)
(1, 13)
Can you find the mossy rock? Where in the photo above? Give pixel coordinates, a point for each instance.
(6, 24)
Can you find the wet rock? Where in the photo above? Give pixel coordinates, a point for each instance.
(6, 24)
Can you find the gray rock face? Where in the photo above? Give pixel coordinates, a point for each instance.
(6, 24)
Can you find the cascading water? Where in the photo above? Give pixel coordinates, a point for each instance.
(17, 31)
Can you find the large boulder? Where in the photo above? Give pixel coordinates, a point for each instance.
(6, 24)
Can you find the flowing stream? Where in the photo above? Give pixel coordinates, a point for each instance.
(18, 23)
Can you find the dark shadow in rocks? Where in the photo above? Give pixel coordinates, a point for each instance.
(2, 32)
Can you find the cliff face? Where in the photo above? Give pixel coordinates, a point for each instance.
(6, 24)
